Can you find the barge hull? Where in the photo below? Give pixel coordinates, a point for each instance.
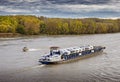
(73, 59)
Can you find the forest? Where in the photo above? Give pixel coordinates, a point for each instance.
(33, 25)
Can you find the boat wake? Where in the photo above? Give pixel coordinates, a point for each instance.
(33, 49)
(29, 68)
(25, 49)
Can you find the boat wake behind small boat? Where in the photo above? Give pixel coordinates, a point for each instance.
(58, 55)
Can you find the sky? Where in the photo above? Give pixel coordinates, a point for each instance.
(62, 8)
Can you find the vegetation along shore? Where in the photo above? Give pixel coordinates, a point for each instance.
(32, 25)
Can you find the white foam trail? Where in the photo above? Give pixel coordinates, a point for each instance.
(34, 49)
(39, 66)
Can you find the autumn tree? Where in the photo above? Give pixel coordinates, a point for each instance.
(29, 25)
(8, 24)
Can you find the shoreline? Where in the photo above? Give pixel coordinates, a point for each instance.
(12, 35)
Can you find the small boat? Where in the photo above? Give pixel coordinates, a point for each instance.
(58, 55)
(25, 49)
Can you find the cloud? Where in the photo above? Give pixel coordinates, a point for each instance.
(79, 1)
(62, 8)
(88, 8)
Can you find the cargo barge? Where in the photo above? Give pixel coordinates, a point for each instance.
(58, 55)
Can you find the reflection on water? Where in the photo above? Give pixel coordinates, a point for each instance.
(18, 66)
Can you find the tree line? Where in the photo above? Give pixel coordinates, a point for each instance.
(32, 25)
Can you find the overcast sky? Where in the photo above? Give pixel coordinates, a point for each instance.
(62, 8)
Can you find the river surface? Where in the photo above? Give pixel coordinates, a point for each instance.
(18, 66)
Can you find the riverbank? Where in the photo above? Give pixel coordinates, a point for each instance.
(12, 35)
(5, 35)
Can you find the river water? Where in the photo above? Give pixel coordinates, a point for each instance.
(18, 66)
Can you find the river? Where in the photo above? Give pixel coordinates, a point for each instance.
(18, 66)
